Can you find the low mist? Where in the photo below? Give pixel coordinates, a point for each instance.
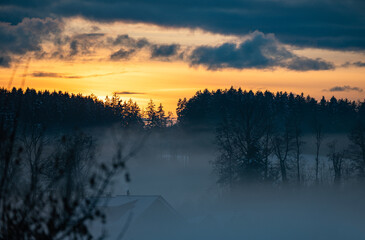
(180, 169)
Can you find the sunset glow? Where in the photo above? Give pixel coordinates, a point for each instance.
(78, 58)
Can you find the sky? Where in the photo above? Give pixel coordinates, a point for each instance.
(166, 50)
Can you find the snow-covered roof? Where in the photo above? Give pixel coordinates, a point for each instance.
(133, 213)
(127, 209)
(122, 205)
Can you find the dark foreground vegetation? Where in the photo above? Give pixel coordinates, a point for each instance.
(51, 176)
(50, 180)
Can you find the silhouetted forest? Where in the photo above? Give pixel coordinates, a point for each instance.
(50, 184)
(277, 139)
(207, 109)
(261, 136)
(62, 111)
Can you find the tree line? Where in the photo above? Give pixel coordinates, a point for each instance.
(260, 136)
(61, 110)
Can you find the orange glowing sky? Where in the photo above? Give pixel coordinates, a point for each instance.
(166, 80)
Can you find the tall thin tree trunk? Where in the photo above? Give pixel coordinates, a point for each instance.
(318, 146)
(298, 158)
(297, 150)
(317, 163)
(281, 151)
(283, 171)
(266, 156)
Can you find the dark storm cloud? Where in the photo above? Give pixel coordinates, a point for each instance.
(62, 75)
(164, 50)
(46, 74)
(54, 75)
(335, 24)
(74, 48)
(83, 43)
(130, 46)
(355, 64)
(122, 54)
(128, 93)
(359, 64)
(344, 89)
(26, 36)
(127, 41)
(260, 51)
(5, 61)
(65, 46)
(307, 64)
(91, 35)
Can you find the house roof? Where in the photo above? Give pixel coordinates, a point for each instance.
(126, 213)
(120, 206)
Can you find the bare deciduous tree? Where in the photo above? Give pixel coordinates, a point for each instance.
(318, 128)
(298, 149)
(336, 157)
(51, 194)
(357, 148)
(241, 139)
(283, 144)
